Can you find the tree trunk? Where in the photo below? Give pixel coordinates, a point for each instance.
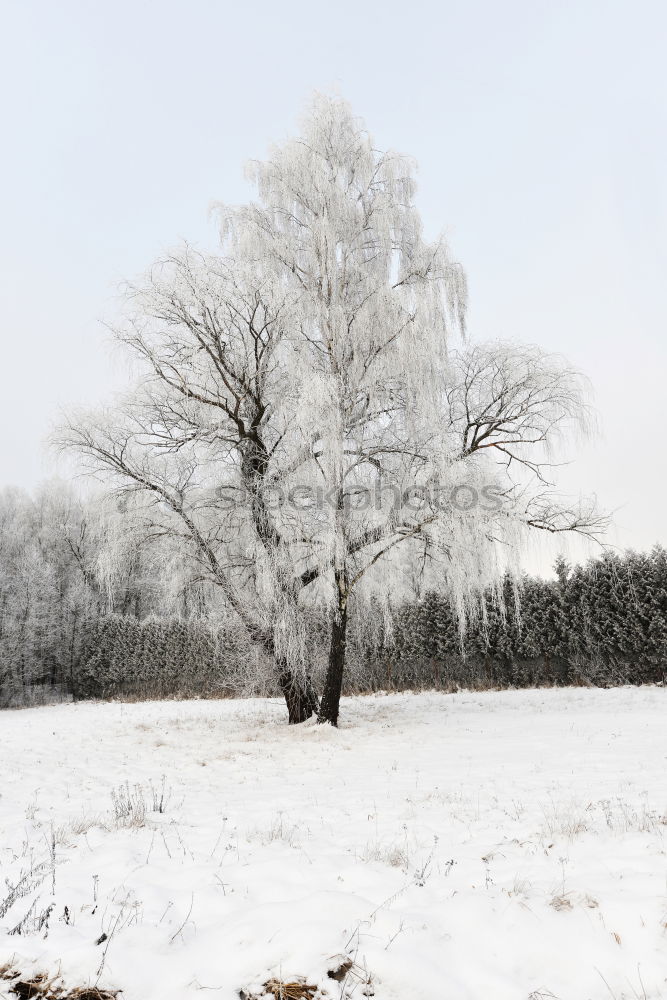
(72, 683)
(333, 684)
(298, 693)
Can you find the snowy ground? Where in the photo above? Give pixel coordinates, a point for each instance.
(496, 845)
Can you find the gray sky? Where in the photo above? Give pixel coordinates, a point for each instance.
(539, 127)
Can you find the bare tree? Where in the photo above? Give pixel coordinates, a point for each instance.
(300, 414)
(197, 436)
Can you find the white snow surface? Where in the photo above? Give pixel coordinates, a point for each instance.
(456, 847)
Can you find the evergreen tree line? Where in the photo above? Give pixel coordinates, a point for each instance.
(121, 656)
(88, 612)
(603, 623)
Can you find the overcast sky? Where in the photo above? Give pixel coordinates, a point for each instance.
(539, 128)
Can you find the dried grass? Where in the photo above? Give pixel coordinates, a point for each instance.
(295, 990)
(561, 902)
(41, 987)
(290, 991)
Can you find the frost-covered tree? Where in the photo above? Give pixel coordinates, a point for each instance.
(46, 590)
(193, 445)
(302, 427)
(65, 561)
(386, 411)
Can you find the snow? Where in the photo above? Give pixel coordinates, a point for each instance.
(492, 845)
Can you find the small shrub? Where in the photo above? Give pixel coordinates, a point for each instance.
(129, 806)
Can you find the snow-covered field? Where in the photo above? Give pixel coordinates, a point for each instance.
(495, 845)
